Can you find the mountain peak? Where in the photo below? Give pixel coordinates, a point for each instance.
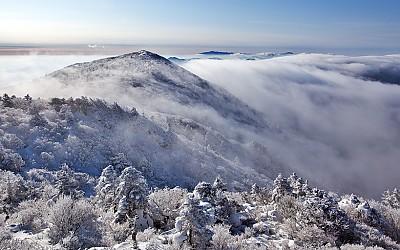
(145, 73)
(145, 55)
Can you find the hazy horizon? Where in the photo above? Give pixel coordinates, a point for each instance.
(341, 27)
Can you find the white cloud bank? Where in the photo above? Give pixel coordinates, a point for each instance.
(342, 124)
(23, 68)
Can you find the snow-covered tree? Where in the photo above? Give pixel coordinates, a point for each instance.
(7, 100)
(204, 190)
(13, 189)
(119, 162)
(194, 223)
(106, 186)
(10, 160)
(322, 210)
(219, 185)
(132, 193)
(281, 187)
(299, 187)
(391, 198)
(69, 182)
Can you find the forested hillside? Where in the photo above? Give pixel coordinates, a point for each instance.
(82, 173)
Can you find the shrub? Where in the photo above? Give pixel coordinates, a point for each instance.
(287, 206)
(20, 245)
(222, 239)
(13, 188)
(391, 217)
(146, 235)
(73, 223)
(164, 205)
(32, 213)
(10, 161)
(113, 233)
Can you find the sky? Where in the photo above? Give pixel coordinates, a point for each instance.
(343, 24)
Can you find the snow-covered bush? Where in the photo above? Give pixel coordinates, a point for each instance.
(32, 214)
(13, 189)
(222, 238)
(261, 196)
(164, 205)
(5, 236)
(11, 141)
(352, 247)
(10, 161)
(287, 206)
(313, 237)
(73, 222)
(147, 235)
(21, 245)
(370, 236)
(391, 220)
(113, 233)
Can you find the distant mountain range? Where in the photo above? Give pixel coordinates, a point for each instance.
(219, 55)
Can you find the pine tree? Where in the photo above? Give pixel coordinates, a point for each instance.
(194, 223)
(391, 199)
(28, 98)
(106, 187)
(132, 191)
(63, 183)
(7, 102)
(219, 185)
(68, 182)
(281, 187)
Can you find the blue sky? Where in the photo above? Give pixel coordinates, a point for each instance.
(365, 24)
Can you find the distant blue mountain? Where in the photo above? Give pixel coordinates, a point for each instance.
(212, 52)
(176, 59)
(287, 53)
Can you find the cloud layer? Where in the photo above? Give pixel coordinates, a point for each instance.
(341, 124)
(20, 69)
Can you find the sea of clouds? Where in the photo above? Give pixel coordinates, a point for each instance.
(338, 116)
(343, 111)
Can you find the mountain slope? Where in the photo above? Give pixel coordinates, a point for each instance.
(144, 73)
(88, 134)
(185, 129)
